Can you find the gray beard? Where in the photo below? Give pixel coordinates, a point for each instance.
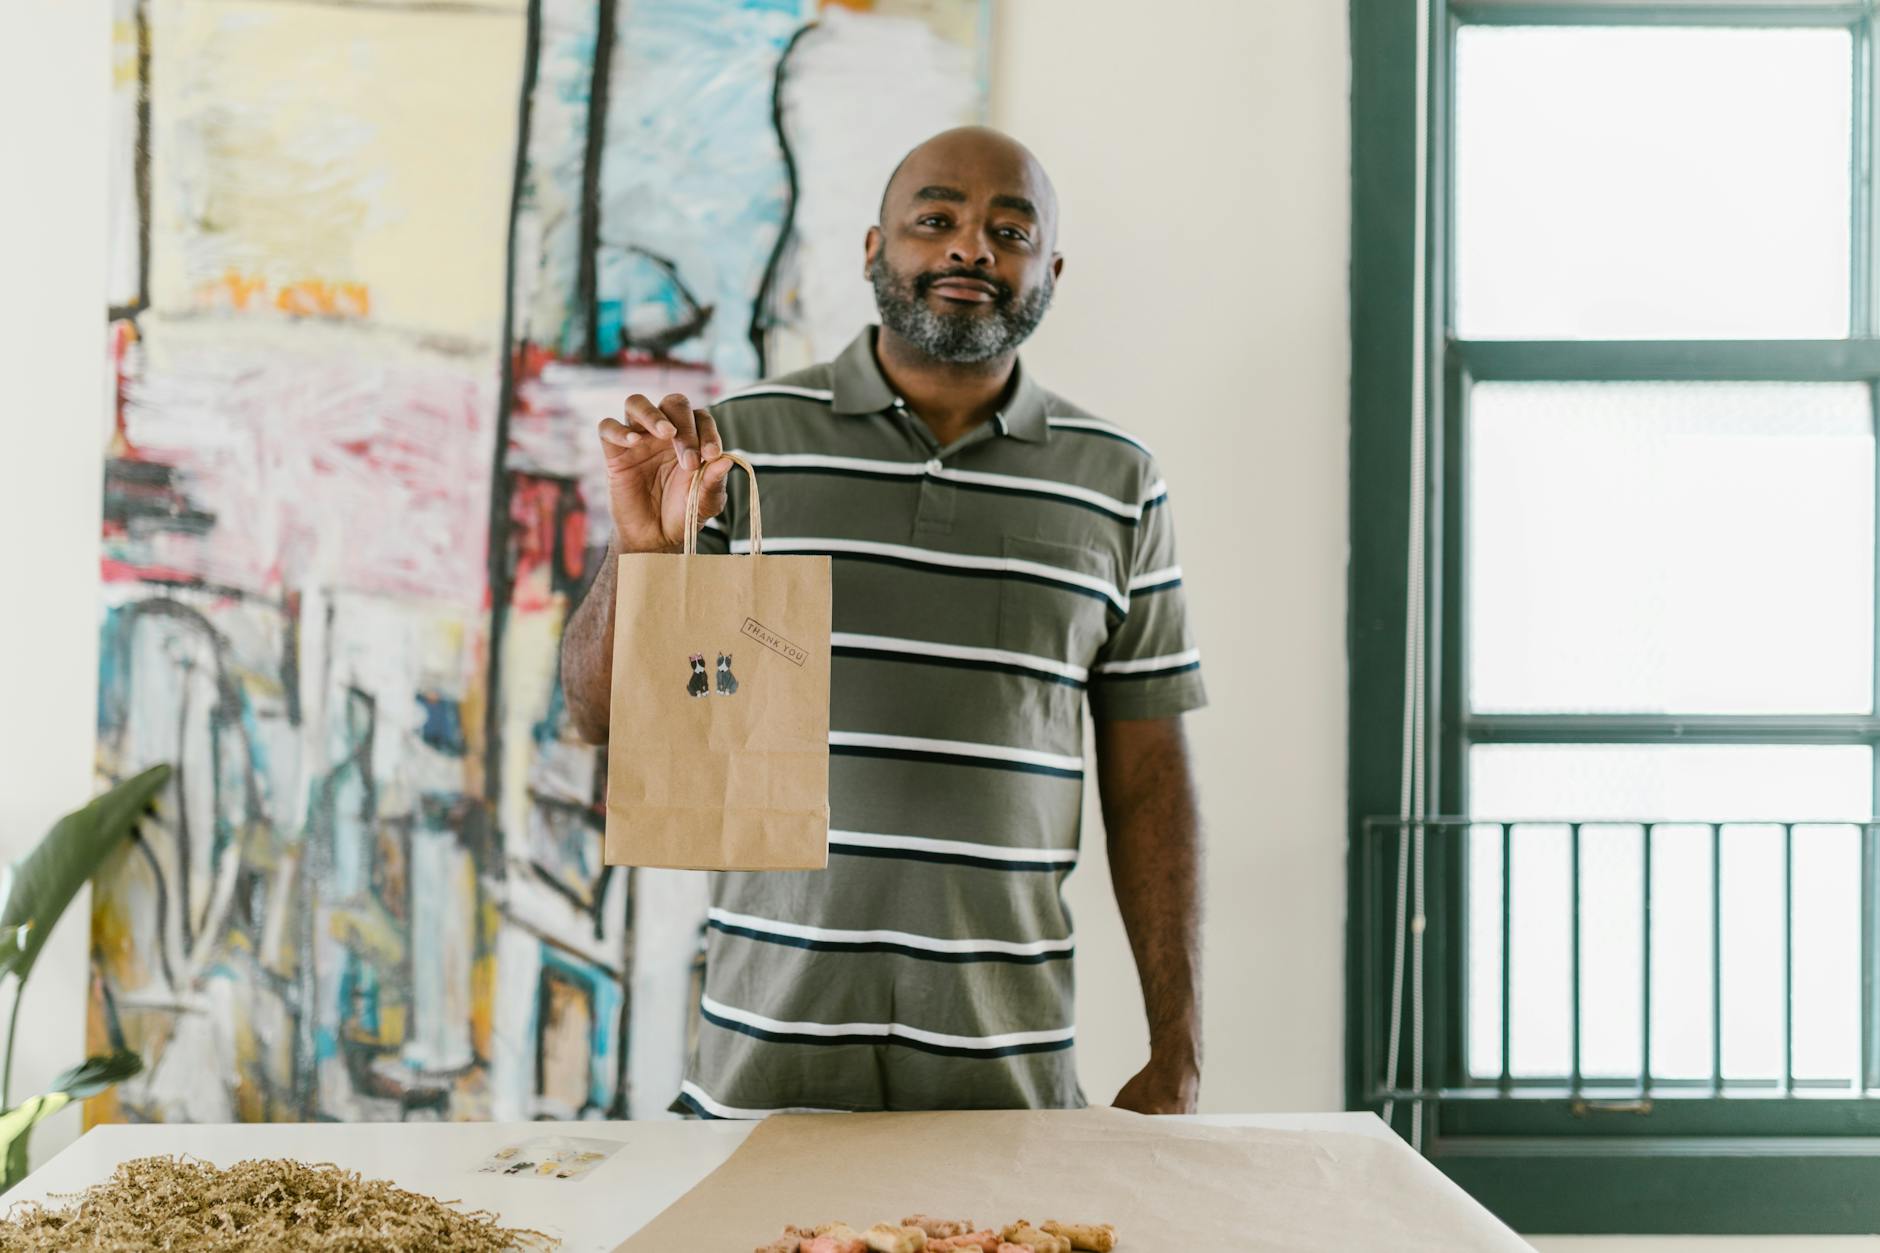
(964, 338)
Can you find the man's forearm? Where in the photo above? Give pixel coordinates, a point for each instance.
(587, 654)
(1155, 847)
(1156, 864)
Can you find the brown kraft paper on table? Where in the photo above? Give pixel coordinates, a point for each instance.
(1167, 1186)
(718, 757)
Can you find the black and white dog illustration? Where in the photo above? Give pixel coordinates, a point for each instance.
(699, 684)
(727, 681)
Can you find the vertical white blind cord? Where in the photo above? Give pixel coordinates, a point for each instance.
(1410, 806)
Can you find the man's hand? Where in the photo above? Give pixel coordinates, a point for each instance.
(650, 460)
(1161, 1087)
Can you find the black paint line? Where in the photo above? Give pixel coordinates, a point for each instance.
(141, 157)
(661, 342)
(588, 278)
(623, 1084)
(163, 909)
(767, 290)
(501, 578)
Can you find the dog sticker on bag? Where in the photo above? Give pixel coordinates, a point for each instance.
(698, 685)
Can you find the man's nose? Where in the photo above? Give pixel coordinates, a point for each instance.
(970, 247)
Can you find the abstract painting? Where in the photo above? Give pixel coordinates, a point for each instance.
(378, 267)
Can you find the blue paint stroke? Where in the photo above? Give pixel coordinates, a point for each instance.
(692, 172)
(443, 724)
(604, 997)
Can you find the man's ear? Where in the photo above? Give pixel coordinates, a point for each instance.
(871, 248)
(1057, 266)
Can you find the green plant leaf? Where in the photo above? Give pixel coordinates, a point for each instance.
(12, 944)
(16, 1161)
(38, 887)
(95, 1074)
(88, 1078)
(22, 1118)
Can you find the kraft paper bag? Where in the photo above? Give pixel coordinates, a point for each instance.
(1166, 1186)
(718, 751)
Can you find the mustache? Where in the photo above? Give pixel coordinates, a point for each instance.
(923, 283)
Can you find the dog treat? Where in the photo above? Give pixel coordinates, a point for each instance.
(922, 1233)
(1041, 1241)
(830, 1244)
(941, 1228)
(835, 1238)
(1095, 1237)
(966, 1242)
(888, 1238)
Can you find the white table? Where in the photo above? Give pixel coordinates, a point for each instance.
(657, 1163)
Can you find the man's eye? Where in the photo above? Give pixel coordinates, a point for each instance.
(1012, 232)
(933, 219)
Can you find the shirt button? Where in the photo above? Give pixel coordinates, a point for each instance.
(934, 466)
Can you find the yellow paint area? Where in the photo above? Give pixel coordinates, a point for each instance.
(330, 151)
(307, 298)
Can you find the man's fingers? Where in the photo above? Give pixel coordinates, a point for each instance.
(678, 411)
(645, 416)
(711, 498)
(618, 434)
(710, 445)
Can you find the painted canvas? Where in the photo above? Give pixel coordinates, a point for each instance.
(378, 267)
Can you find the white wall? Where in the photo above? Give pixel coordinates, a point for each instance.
(1202, 161)
(54, 79)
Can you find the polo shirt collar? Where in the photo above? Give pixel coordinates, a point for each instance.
(861, 388)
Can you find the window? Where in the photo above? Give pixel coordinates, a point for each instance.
(1616, 336)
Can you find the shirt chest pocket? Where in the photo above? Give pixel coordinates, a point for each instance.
(1056, 600)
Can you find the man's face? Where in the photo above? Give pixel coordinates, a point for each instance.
(963, 268)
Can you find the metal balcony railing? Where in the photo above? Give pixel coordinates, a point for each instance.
(1446, 928)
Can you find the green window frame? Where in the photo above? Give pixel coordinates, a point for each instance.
(1569, 1159)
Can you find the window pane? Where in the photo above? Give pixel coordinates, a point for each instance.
(1670, 548)
(1594, 782)
(1827, 952)
(1751, 900)
(1659, 183)
(1712, 782)
(1539, 989)
(1681, 1000)
(1611, 928)
(1484, 951)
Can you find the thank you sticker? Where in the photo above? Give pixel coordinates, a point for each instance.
(774, 642)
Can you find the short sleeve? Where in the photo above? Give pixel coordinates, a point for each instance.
(1150, 667)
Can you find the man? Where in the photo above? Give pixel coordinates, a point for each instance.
(999, 557)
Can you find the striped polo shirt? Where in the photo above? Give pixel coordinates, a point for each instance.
(984, 591)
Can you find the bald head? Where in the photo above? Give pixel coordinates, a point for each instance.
(956, 164)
